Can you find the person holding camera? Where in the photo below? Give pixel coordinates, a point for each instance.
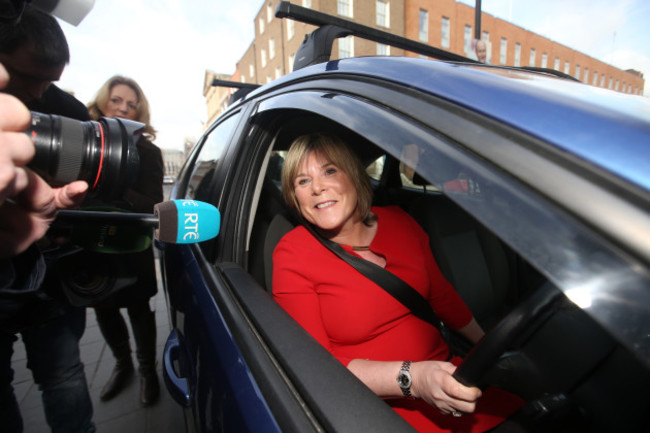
(34, 52)
(122, 97)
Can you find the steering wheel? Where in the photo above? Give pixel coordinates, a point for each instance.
(526, 316)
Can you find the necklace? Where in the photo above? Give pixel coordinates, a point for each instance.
(361, 247)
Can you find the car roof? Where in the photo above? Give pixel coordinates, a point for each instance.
(606, 128)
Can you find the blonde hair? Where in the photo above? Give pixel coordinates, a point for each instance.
(338, 153)
(97, 106)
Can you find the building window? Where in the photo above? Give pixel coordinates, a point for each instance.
(423, 34)
(346, 47)
(556, 65)
(468, 40)
(517, 54)
(503, 54)
(531, 59)
(595, 79)
(278, 72)
(586, 75)
(306, 3)
(261, 25)
(383, 13)
(291, 29)
(611, 82)
(544, 60)
(577, 72)
(616, 86)
(271, 48)
(602, 80)
(444, 40)
(292, 60)
(383, 50)
(251, 71)
(269, 12)
(263, 55)
(567, 67)
(345, 8)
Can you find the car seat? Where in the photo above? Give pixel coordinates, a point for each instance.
(472, 259)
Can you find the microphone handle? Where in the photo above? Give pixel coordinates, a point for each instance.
(107, 217)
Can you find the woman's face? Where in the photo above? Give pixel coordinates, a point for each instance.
(122, 102)
(326, 195)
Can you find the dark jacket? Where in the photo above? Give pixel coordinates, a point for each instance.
(23, 302)
(145, 193)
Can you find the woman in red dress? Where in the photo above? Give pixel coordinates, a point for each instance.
(364, 327)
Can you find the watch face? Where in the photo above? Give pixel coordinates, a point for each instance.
(404, 379)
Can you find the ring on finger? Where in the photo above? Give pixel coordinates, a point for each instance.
(456, 413)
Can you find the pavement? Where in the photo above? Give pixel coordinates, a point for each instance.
(122, 414)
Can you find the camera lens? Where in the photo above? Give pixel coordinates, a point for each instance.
(102, 153)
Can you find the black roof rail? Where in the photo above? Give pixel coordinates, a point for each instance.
(549, 71)
(234, 84)
(317, 47)
(243, 88)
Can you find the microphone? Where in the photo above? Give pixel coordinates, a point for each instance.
(111, 230)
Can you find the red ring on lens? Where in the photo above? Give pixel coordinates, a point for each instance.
(101, 158)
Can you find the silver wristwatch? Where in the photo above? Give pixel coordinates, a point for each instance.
(404, 379)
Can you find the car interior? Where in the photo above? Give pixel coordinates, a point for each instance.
(543, 347)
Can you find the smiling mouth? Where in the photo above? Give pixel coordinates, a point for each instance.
(325, 204)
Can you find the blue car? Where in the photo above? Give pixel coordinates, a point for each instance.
(534, 190)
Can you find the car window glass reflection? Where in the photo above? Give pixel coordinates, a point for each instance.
(207, 160)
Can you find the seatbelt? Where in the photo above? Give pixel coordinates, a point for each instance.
(395, 286)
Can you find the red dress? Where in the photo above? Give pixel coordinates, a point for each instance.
(354, 318)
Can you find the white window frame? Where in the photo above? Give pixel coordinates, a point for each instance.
(544, 60)
(531, 58)
(345, 8)
(517, 54)
(503, 53)
(271, 48)
(445, 32)
(382, 8)
(291, 29)
(383, 49)
(423, 31)
(346, 47)
(468, 40)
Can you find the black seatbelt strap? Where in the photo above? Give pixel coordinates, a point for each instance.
(395, 286)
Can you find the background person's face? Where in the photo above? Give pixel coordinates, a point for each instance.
(122, 102)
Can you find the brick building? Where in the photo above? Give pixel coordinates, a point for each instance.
(446, 24)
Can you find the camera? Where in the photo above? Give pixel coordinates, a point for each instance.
(103, 152)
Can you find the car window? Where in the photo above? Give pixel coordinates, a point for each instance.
(208, 158)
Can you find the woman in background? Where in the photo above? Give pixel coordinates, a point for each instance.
(122, 97)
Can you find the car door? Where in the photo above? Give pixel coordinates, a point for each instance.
(217, 360)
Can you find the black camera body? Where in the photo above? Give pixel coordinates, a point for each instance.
(103, 152)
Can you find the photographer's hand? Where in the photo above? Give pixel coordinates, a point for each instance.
(27, 203)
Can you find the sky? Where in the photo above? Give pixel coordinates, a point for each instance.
(167, 45)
